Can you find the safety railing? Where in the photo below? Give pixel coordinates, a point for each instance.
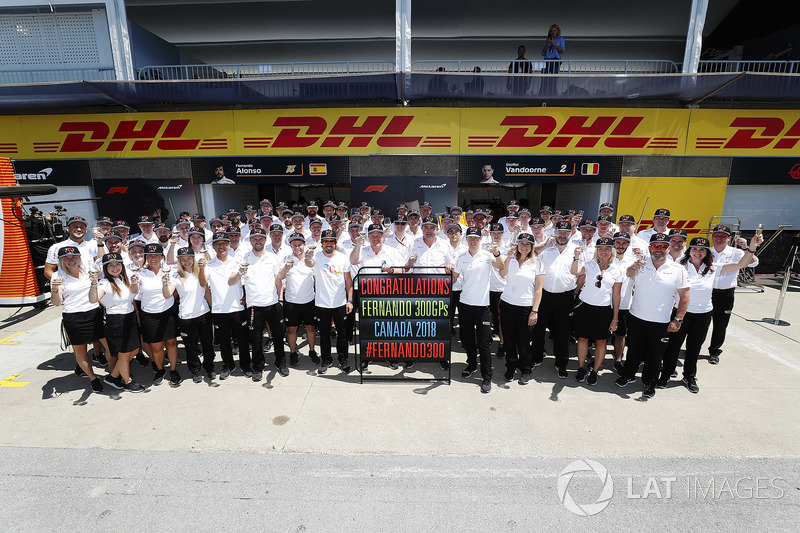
(537, 66)
(12, 77)
(262, 70)
(773, 67)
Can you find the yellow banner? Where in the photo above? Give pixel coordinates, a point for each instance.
(691, 201)
(365, 131)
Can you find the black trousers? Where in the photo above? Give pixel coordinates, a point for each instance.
(554, 309)
(517, 335)
(722, 301)
(456, 301)
(350, 320)
(475, 331)
(693, 330)
(646, 342)
(257, 317)
(494, 307)
(324, 316)
(192, 330)
(230, 325)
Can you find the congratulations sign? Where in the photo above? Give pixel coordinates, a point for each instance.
(405, 317)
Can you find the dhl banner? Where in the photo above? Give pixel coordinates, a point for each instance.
(691, 201)
(365, 131)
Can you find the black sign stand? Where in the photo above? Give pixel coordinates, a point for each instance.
(415, 275)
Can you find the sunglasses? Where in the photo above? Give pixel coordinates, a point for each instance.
(659, 246)
(599, 279)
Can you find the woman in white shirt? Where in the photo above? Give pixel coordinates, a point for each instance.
(298, 296)
(116, 293)
(82, 321)
(701, 274)
(597, 313)
(519, 306)
(159, 314)
(194, 313)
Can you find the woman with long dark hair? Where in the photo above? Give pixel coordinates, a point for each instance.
(116, 292)
(597, 313)
(701, 273)
(82, 320)
(519, 306)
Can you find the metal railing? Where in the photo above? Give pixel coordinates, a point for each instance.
(583, 66)
(776, 67)
(11, 77)
(262, 70)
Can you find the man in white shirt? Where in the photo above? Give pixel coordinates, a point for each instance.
(237, 249)
(315, 228)
(660, 223)
(227, 311)
(657, 285)
(277, 246)
(76, 229)
(146, 225)
(545, 213)
(585, 239)
(558, 296)
(333, 300)
(425, 209)
(623, 259)
(512, 207)
(474, 267)
(537, 230)
(199, 221)
(605, 227)
(677, 243)
(627, 224)
(414, 230)
(298, 226)
(722, 295)
(258, 273)
(400, 240)
(298, 299)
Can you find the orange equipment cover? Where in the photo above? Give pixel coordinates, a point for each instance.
(17, 277)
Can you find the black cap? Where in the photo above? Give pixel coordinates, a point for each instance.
(136, 243)
(334, 218)
(356, 212)
(588, 223)
(112, 235)
(220, 236)
(546, 208)
(250, 207)
(627, 218)
(524, 211)
(563, 225)
(512, 214)
(661, 213)
(235, 230)
(375, 228)
(232, 211)
(297, 237)
(276, 227)
(197, 231)
(76, 218)
(377, 212)
(429, 221)
(604, 241)
(121, 224)
(536, 221)
(67, 251)
(700, 242)
(659, 237)
(186, 250)
(721, 228)
(112, 258)
(315, 220)
(526, 237)
(605, 218)
(496, 227)
(473, 232)
(328, 235)
(622, 235)
(258, 231)
(106, 220)
(161, 225)
(265, 201)
(199, 216)
(144, 219)
(154, 249)
(607, 205)
(512, 203)
(678, 232)
(312, 203)
(401, 219)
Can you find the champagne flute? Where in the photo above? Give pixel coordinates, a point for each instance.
(759, 229)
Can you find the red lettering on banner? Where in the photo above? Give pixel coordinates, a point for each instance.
(589, 135)
(75, 141)
(626, 128)
(290, 137)
(174, 130)
(794, 131)
(346, 126)
(127, 130)
(518, 138)
(744, 138)
(393, 134)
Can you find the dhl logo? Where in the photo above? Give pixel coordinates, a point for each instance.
(133, 135)
(754, 133)
(689, 225)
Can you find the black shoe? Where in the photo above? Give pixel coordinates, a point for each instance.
(674, 374)
(509, 375)
(141, 358)
(97, 386)
(580, 377)
(323, 368)
(623, 381)
(713, 359)
(226, 373)
(662, 382)
(101, 360)
(267, 345)
(691, 384)
(159, 377)
(175, 378)
(133, 387)
(592, 379)
(283, 371)
(294, 359)
(393, 365)
(344, 367)
(467, 372)
(364, 365)
(248, 373)
(486, 386)
(258, 375)
(649, 390)
(211, 376)
(618, 366)
(524, 379)
(444, 365)
(501, 352)
(562, 372)
(408, 365)
(313, 356)
(79, 371)
(115, 382)
(197, 377)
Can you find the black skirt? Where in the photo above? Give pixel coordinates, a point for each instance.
(84, 327)
(159, 327)
(122, 333)
(592, 321)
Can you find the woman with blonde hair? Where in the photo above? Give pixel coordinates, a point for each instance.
(194, 313)
(519, 306)
(82, 320)
(116, 292)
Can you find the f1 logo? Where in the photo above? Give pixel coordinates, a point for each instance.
(119, 190)
(376, 188)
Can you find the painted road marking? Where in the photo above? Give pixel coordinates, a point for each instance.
(8, 382)
(6, 341)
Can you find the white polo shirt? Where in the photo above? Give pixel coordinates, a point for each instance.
(224, 298)
(192, 302)
(474, 272)
(151, 292)
(728, 255)
(329, 275)
(455, 253)
(116, 304)
(556, 265)
(401, 246)
(88, 250)
(75, 293)
(700, 287)
(520, 282)
(599, 296)
(281, 253)
(299, 281)
(259, 282)
(656, 291)
(626, 294)
(497, 282)
(386, 256)
(431, 256)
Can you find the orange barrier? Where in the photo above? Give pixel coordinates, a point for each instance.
(17, 278)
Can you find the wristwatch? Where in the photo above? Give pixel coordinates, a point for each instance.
(678, 320)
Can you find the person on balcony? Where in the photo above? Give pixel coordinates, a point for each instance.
(520, 65)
